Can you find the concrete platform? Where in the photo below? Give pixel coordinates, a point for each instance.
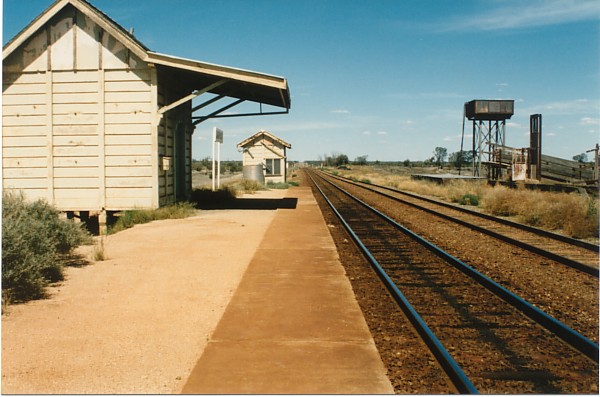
(445, 178)
(293, 325)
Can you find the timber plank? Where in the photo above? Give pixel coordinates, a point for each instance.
(25, 99)
(24, 110)
(41, 183)
(133, 150)
(22, 141)
(134, 182)
(128, 139)
(128, 160)
(130, 171)
(91, 161)
(24, 121)
(84, 129)
(24, 172)
(24, 162)
(17, 152)
(75, 183)
(129, 118)
(75, 151)
(75, 88)
(117, 203)
(19, 89)
(75, 172)
(117, 192)
(133, 129)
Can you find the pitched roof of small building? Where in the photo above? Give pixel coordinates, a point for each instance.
(260, 134)
(227, 81)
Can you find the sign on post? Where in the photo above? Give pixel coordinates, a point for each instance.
(217, 139)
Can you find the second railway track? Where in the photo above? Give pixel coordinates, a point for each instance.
(500, 349)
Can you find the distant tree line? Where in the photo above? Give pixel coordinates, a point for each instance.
(205, 165)
(440, 159)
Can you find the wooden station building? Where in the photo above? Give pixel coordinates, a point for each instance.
(93, 121)
(269, 151)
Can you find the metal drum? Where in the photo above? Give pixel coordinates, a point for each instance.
(254, 173)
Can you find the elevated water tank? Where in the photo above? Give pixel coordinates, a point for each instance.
(490, 109)
(254, 173)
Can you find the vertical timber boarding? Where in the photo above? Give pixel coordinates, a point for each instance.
(174, 130)
(79, 124)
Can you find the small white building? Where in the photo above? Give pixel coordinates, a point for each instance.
(270, 151)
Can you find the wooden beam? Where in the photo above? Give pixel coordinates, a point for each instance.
(191, 96)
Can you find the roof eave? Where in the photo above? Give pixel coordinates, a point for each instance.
(247, 76)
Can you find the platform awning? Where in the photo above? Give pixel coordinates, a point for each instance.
(240, 83)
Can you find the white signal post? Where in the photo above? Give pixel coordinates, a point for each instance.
(217, 139)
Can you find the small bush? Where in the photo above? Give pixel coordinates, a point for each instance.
(35, 246)
(131, 218)
(469, 199)
(99, 253)
(249, 186)
(281, 185)
(365, 180)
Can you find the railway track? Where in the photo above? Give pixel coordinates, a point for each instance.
(494, 345)
(571, 252)
(553, 285)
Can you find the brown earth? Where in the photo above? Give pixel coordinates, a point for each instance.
(139, 321)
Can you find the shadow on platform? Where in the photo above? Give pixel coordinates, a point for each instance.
(250, 204)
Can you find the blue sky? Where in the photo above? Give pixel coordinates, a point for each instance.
(383, 78)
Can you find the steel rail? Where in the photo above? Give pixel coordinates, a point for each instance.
(531, 229)
(568, 335)
(452, 369)
(536, 250)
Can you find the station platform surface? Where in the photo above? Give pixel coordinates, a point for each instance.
(293, 325)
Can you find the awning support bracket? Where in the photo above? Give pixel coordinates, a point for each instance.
(216, 114)
(199, 120)
(191, 96)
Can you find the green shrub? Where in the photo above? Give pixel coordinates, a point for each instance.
(365, 180)
(130, 218)
(35, 246)
(281, 185)
(469, 199)
(249, 186)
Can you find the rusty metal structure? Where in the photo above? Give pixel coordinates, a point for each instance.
(489, 133)
(535, 146)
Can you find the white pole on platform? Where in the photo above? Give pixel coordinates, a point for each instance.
(217, 139)
(213, 165)
(218, 165)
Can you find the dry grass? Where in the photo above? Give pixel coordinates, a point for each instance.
(572, 214)
(99, 252)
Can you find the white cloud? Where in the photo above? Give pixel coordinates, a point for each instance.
(577, 106)
(590, 121)
(366, 132)
(519, 14)
(340, 111)
(381, 132)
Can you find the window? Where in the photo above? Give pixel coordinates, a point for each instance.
(273, 166)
